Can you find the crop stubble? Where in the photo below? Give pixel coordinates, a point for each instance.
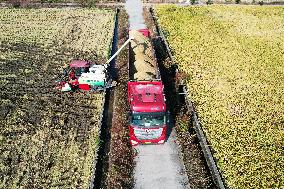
(48, 139)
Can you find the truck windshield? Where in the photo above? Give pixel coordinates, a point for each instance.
(148, 119)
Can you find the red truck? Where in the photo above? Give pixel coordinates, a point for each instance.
(148, 114)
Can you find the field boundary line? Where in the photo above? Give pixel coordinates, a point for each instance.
(102, 113)
(7, 4)
(91, 185)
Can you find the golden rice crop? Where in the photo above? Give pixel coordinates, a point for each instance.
(233, 60)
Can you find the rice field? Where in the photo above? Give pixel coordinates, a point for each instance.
(49, 139)
(232, 59)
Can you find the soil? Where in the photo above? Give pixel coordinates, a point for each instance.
(39, 123)
(119, 173)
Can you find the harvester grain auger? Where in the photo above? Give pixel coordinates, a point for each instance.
(86, 76)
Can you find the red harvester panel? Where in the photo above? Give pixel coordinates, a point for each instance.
(79, 64)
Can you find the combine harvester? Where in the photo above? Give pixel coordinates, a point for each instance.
(148, 115)
(86, 76)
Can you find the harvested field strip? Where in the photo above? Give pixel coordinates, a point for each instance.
(68, 27)
(48, 139)
(233, 65)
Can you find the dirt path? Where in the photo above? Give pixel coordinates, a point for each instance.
(160, 166)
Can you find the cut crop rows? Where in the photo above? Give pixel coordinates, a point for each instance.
(232, 61)
(49, 139)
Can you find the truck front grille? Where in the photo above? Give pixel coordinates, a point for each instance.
(147, 134)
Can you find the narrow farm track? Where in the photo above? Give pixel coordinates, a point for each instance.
(160, 166)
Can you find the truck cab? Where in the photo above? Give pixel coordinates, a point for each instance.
(148, 115)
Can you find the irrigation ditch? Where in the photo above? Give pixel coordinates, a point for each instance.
(120, 165)
(101, 159)
(114, 164)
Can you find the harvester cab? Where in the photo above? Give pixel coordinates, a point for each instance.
(85, 76)
(96, 78)
(79, 67)
(70, 82)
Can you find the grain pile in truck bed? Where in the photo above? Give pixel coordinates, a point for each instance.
(144, 66)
